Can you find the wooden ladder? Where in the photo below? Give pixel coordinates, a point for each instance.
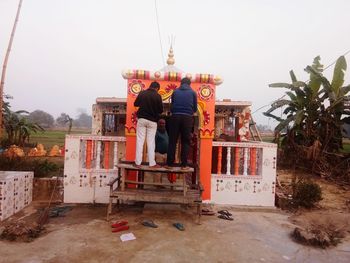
(254, 132)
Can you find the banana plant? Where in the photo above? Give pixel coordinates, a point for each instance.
(314, 109)
(335, 115)
(17, 126)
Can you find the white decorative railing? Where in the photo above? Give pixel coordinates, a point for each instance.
(90, 164)
(100, 152)
(244, 173)
(239, 158)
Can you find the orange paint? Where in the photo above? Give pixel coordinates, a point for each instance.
(205, 167)
(236, 171)
(88, 154)
(206, 122)
(252, 161)
(106, 155)
(219, 159)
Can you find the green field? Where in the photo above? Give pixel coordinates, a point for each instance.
(50, 138)
(267, 138)
(346, 146)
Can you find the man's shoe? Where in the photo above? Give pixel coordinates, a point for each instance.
(136, 165)
(168, 167)
(156, 166)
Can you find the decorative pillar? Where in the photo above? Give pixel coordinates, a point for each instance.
(219, 159)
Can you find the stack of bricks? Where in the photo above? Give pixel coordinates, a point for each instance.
(16, 192)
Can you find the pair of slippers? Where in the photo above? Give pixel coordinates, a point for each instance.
(120, 226)
(226, 215)
(207, 212)
(150, 223)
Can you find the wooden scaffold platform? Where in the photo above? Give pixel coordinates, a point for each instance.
(134, 188)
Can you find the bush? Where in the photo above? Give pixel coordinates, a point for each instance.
(41, 168)
(306, 193)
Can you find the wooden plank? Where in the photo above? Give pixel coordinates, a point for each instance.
(136, 191)
(187, 195)
(122, 171)
(149, 196)
(130, 166)
(155, 184)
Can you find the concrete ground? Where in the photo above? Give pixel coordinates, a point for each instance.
(83, 235)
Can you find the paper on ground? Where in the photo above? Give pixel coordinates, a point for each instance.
(127, 237)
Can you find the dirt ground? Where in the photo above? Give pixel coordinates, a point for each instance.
(255, 235)
(332, 211)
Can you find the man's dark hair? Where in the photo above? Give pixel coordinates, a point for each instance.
(154, 85)
(186, 81)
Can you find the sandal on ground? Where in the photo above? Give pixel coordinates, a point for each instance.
(226, 217)
(179, 226)
(207, 212)
(119, 223)
(225, 212)
(149, 223)
(121, 228)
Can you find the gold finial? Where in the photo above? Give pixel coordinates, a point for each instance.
(171, 60)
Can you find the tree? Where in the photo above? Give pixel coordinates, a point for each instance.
(313, 110)
(84, 120)
(333, 118)
(18, 127)
(43, 118)
(63, 119)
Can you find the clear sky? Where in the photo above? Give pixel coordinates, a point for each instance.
(68, 52)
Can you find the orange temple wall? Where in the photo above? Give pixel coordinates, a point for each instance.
(206, 110)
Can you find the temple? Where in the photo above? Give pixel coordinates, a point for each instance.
(233, 166)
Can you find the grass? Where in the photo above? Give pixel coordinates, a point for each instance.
(346, 146)
(50, 138)
(267, 138)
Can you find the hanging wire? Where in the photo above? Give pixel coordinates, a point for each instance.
(269, 104)
(347, 52)
(160, 39)
(171, 40)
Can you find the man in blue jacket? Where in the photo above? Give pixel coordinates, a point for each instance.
(183, 106)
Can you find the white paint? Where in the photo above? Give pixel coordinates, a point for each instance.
(257, 190)
(16, 192)
(228, 167)
(87, 185)
(245, 162)
(98, 155)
